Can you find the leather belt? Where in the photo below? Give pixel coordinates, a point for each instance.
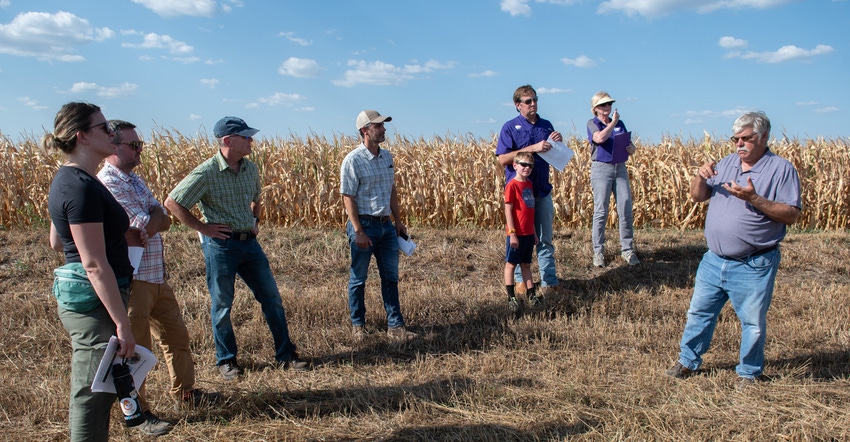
(380, 219)
(242, 236)
(754, 254)
(763, 251)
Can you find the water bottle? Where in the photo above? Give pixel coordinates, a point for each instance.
(128, 398)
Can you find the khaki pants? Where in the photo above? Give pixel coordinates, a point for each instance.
(154, 310)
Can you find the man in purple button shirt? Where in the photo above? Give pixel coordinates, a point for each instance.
(528, 132)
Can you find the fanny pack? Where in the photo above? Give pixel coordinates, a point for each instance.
(73, 290)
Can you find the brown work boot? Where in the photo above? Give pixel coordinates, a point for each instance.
(679, 371)
(400, 333)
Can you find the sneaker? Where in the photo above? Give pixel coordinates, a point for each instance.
(230, 370)
(197, 398)
(400, 333)
(359, 333)
(294, 364)
(598, 259)
(630, 257)
(679, 371)
(154, 426)
(537, 301)
(514, 305)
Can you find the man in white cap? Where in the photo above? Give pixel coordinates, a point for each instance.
(367, 185)
(226, 189)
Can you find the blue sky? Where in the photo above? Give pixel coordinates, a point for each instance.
(677, 68)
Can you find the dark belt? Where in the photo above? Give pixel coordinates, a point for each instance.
(380, 219)
(756, 253)
(763, 251)
(242, 236)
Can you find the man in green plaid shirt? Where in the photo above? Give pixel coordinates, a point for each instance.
(226, 189)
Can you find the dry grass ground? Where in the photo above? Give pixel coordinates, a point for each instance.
(590, 368)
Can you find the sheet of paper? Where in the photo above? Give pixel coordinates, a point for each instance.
(558, 156)
(407, 246)
(135, 257)
(140, 365)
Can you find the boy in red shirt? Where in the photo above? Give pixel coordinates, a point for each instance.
(521, 235)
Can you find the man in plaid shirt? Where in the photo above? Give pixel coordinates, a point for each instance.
(153, 308)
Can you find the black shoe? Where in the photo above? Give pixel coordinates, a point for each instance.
(229, 369)
(154, 426)
(679, 371)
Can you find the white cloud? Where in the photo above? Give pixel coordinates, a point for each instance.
(516, 7)
(582, 62)
(658, 8)
(122, 90)
(210, 82)
(300, 67)
(732, 43)
(5, 3)
(33, 104)
(700, 117)
(291, 37)
(49, 36)
(174, 8)
(786, 53)
(826, 110)
(195, 117)
(552, 90)
(187, 60)
(278, 99)
(156, 41)
(487, 73)
(805, 103)
(382, 74)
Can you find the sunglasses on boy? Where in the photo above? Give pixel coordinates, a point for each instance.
(524, 164)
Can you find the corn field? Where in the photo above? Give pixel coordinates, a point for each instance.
(444, 182)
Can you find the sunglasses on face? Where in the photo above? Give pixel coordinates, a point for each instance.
(105, 125)
(528, 165)
(528, 101)
(135, 145)
(744, 138)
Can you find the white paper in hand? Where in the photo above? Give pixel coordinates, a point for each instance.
(558, 156)
(140, 365)
(406, 245)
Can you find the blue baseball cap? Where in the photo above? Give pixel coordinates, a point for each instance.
(233, 126)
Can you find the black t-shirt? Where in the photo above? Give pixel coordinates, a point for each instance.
(78, 198)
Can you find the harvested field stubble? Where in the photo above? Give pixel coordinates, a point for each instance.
(590, 368)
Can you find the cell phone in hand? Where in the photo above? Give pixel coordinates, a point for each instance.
(404, 236)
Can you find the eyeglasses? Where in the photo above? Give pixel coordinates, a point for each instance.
(528, 165)
(745, 138)
(529, 100)
(105, 125)
(135, 145)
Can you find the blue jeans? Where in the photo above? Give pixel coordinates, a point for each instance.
(226, 258)
(385, 249)
(607, 179)
(544, 216)
(748, 284)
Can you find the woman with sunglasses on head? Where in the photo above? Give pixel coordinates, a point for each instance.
(88, 226)
(610, 147)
